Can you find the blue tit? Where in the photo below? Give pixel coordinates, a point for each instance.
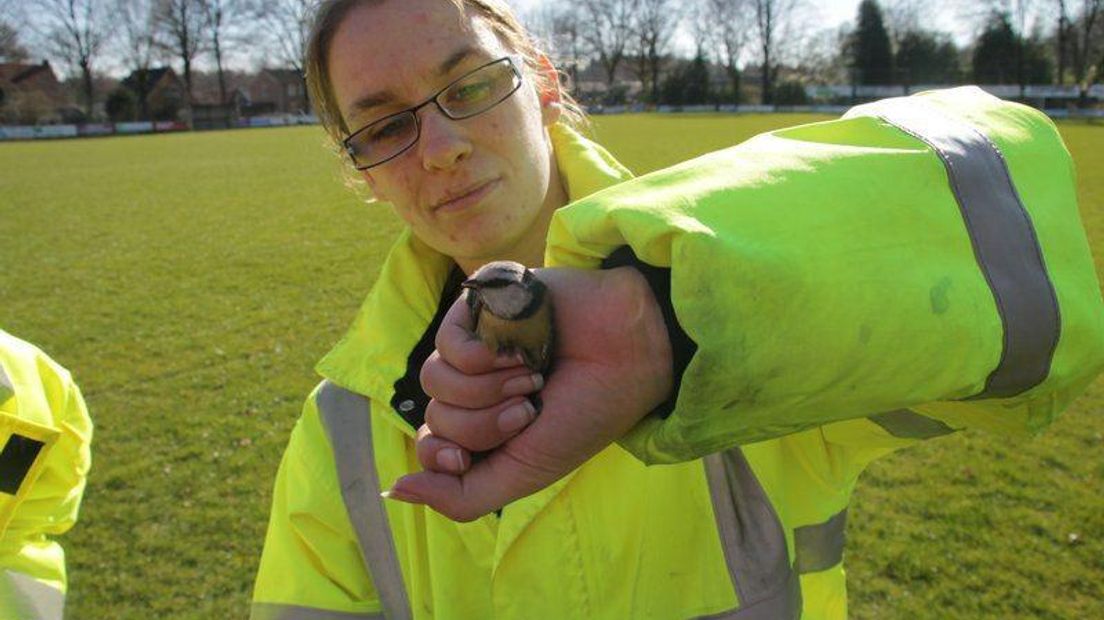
(512, 312)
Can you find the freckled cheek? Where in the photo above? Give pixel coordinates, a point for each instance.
(404, 187)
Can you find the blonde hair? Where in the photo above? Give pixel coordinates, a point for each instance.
(330, 13)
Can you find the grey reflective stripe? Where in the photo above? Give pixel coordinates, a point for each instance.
(753, 540)
(5, 382)
(275, 611)
(29, 598)
(820, 547)
(781, 605)
(347, 418)
(908, 424)
(1003, 237)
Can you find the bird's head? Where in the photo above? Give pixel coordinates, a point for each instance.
(504, 288)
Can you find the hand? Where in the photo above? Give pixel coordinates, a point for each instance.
(612, 366)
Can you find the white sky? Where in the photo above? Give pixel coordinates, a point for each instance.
(834, 11)
(949, 16)
(942, 15)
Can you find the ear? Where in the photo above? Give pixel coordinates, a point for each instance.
(551, 96)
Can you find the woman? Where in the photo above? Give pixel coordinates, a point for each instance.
(454, 118)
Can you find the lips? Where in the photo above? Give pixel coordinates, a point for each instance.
(465, 197)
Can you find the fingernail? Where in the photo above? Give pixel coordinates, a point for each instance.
(402, 496)
(450, 459)
(516, 417)
(523, 385)
(507, 360)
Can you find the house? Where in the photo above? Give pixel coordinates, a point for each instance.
(592, 86)
(30, 94)
(209, 110)
(281, 91)
(207, 113)
(159, 93)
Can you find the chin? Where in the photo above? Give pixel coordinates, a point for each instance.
(481, 249)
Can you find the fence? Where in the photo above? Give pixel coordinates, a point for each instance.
(1004, 91)
(1062, 113)
(1048, 93)
(37, 132)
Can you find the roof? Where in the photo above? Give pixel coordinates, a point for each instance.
(286, 76)
(205, 85)
(153, 76)
(16, 72)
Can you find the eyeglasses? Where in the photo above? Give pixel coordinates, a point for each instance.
(473, 93)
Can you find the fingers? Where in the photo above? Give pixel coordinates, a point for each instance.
(478, 430)
(443, 382)
(548, 449)
(488, 486)
(441, 455)
(461, 348)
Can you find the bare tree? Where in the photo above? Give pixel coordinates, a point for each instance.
(138, 44)
(181, 22)
(1089, 19)
(821, 59)
(288, 23)
(771, 18)
(220, 19)
(558, 28)
(654, 25)
(539, 22)
(1061, 40)
(74, 31)
(727, 25)
(607, 28)
(1020, 16)
(567, 37)
(910, 16)
(11, 49)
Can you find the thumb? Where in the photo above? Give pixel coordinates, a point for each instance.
(442, 492)
(562, 438)
(488, 486)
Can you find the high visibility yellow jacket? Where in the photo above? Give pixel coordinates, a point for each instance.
(746, 519)
(45, 436)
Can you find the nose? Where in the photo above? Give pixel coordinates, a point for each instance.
(443, 143)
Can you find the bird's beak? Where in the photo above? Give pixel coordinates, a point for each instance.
(469, 284)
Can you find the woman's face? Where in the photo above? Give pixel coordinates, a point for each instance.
(477, 189)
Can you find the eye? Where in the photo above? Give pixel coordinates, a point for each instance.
(470, 92)
(389, 129)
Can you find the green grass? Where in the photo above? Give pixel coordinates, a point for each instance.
(191, 281)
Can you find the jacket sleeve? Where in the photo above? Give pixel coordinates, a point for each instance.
(311, 565)
(33, 578)
(828, 272)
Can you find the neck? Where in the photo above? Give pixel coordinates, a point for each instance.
(529, 250)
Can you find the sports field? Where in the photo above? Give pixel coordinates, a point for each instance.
(190, 282)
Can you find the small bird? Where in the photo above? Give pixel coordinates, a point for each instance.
(512, 312)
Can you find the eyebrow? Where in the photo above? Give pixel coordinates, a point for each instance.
(376, 99)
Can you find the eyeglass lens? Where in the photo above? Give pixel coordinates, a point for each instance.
(472, 94)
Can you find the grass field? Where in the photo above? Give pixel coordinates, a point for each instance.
(191, 281)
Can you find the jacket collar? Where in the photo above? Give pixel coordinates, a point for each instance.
(378, 350)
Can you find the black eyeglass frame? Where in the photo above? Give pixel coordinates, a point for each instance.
(512, 61)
